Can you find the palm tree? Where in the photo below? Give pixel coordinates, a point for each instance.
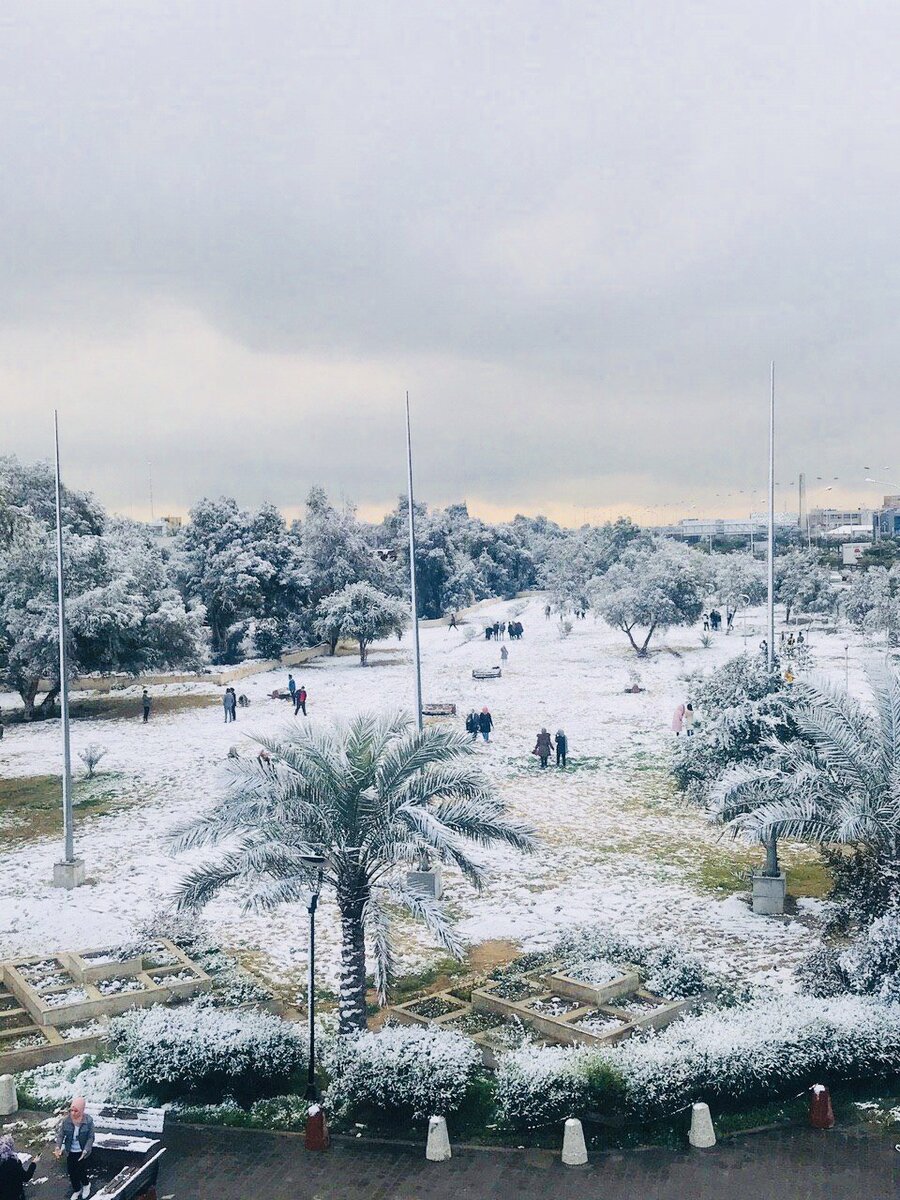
(835, 781)
(373, 796)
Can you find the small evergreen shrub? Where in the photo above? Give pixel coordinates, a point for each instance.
(206, 1053)
(541, 1085)
(414, 1071)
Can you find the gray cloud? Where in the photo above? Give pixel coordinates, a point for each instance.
(235, 233)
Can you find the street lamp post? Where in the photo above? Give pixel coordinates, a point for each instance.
(318, 861)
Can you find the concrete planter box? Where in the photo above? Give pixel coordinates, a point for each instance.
(768, 894)
(592, 993)
(427, 883)
(83, 970)
(56, 1048)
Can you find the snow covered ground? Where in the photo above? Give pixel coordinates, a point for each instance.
(618, 845)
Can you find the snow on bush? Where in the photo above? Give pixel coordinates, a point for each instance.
(206, 1052)
(53, 1086)
(542, 1085)
(423, 1071)
(764, 1049)
(667, 969)
(872, 964)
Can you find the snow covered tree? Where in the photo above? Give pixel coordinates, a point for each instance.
(739, 708)
(124, 613)
(802, 584)
(872, 602)
(362, 613)
(336, 550)
(651, 587)
(833, 782)
(575, 561)
(243, 567)
(739, 579)
(372, 796)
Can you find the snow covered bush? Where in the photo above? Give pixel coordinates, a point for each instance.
(206, 1052)
(765, 1049)
(872, 964)
(52, 1086)
(417, 1070)
(91, 756)
(667, 968)
(541, 1085)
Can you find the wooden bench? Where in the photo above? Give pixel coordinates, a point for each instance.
(487, 673)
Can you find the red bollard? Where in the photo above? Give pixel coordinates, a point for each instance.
(317, 1136)
(821, 1114)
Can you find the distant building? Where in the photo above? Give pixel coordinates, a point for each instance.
(823, 521)
(886, 520)
(164, 527)
(756, 525)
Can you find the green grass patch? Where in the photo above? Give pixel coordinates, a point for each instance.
(31, 805)
(441, 974)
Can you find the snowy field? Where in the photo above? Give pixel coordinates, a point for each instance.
(618, 845)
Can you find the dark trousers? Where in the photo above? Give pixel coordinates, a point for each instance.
(543, 762)
(299, 706)
(560, 757)
(77, 1168)
(146, 715)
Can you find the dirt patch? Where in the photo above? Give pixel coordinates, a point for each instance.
(118, 708)
(492, 953)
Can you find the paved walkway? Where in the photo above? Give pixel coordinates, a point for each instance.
(797, 1164)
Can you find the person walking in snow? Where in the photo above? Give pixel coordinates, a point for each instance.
(504, 654)
(472, 724)
(562, 747)
(706, 622)
(502, 631)
(543, 748)
(485, 723)
(292, 687)
(75, 1139)
(488, 632)
(678, 719)
(13, 1172)
(300, 700)
(453, 620)
(547, 612)
(146, 703)
(689, 718)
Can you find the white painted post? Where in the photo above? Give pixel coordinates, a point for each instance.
(702, 1134)
(9, 1101)
(574, 1151)
(437, 1148)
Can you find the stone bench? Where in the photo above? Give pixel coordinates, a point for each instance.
(487, 673)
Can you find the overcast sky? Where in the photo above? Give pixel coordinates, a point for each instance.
(234, 233)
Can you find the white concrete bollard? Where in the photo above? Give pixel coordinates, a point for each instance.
(9, 1101)
(702, 1134)
(437, 1148)
(574, 1151)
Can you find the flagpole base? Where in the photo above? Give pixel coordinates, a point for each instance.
(68, 875)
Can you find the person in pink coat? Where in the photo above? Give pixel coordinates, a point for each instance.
(678, 719)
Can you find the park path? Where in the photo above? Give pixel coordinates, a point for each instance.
(794, 1164)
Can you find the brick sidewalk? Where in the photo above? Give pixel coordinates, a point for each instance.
(798, 1164)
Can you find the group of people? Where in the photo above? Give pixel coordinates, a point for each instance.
(683, 720)
(298, 695)
(229, 703)
(498, 631)
(713, 620)
(545, 746)
(74, 1138)
(481, 723)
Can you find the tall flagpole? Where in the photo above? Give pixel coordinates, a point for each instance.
(770, 650)
(70, 872)
(412, 570)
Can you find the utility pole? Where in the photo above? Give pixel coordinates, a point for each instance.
(68, 873)
(412, 572)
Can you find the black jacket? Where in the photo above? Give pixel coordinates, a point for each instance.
(13, 1177)
(485, 724)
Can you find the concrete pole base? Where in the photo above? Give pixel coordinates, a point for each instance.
(9, 1101)
(768, 894)
(437, 1148)
(427, 883)
(574, 1151)
(68, 874)
(702, 1134)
